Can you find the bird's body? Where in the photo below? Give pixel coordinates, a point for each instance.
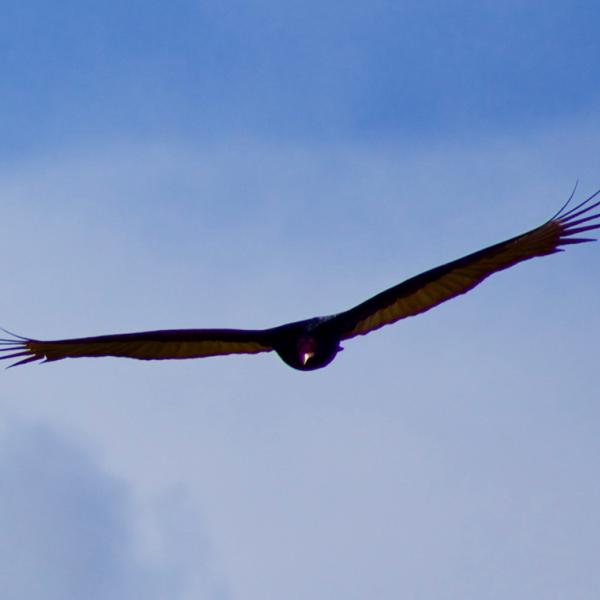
(307, 345)
(313, 343)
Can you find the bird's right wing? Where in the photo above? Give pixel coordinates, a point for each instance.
(423, 292)
(146, 345)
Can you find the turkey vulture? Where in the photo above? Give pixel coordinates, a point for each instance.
(313, 343)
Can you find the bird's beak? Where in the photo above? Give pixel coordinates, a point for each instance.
(306, 356)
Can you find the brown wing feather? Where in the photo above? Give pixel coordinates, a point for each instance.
(423, 292)
(147, 345)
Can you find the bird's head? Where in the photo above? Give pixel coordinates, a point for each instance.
(306, 345)
(307, 348)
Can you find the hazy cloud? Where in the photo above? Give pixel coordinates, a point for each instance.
(448, 456)
(69, 528)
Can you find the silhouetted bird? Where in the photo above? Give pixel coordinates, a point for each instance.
(314, 343)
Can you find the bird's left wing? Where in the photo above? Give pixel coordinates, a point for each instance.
(146, 345)
(423, 292)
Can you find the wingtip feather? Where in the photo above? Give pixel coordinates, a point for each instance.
(24, 361)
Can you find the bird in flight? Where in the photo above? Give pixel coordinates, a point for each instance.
(313, 343)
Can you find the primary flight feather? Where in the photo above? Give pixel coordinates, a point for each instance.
(313, 343)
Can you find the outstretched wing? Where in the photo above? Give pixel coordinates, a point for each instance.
(423, 292)
(146, 345)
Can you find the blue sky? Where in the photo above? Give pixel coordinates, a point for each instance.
(293, 70)
(246, 164)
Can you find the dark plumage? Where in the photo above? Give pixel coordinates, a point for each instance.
(314, 343)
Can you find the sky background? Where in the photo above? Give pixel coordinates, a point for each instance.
(231, 164)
